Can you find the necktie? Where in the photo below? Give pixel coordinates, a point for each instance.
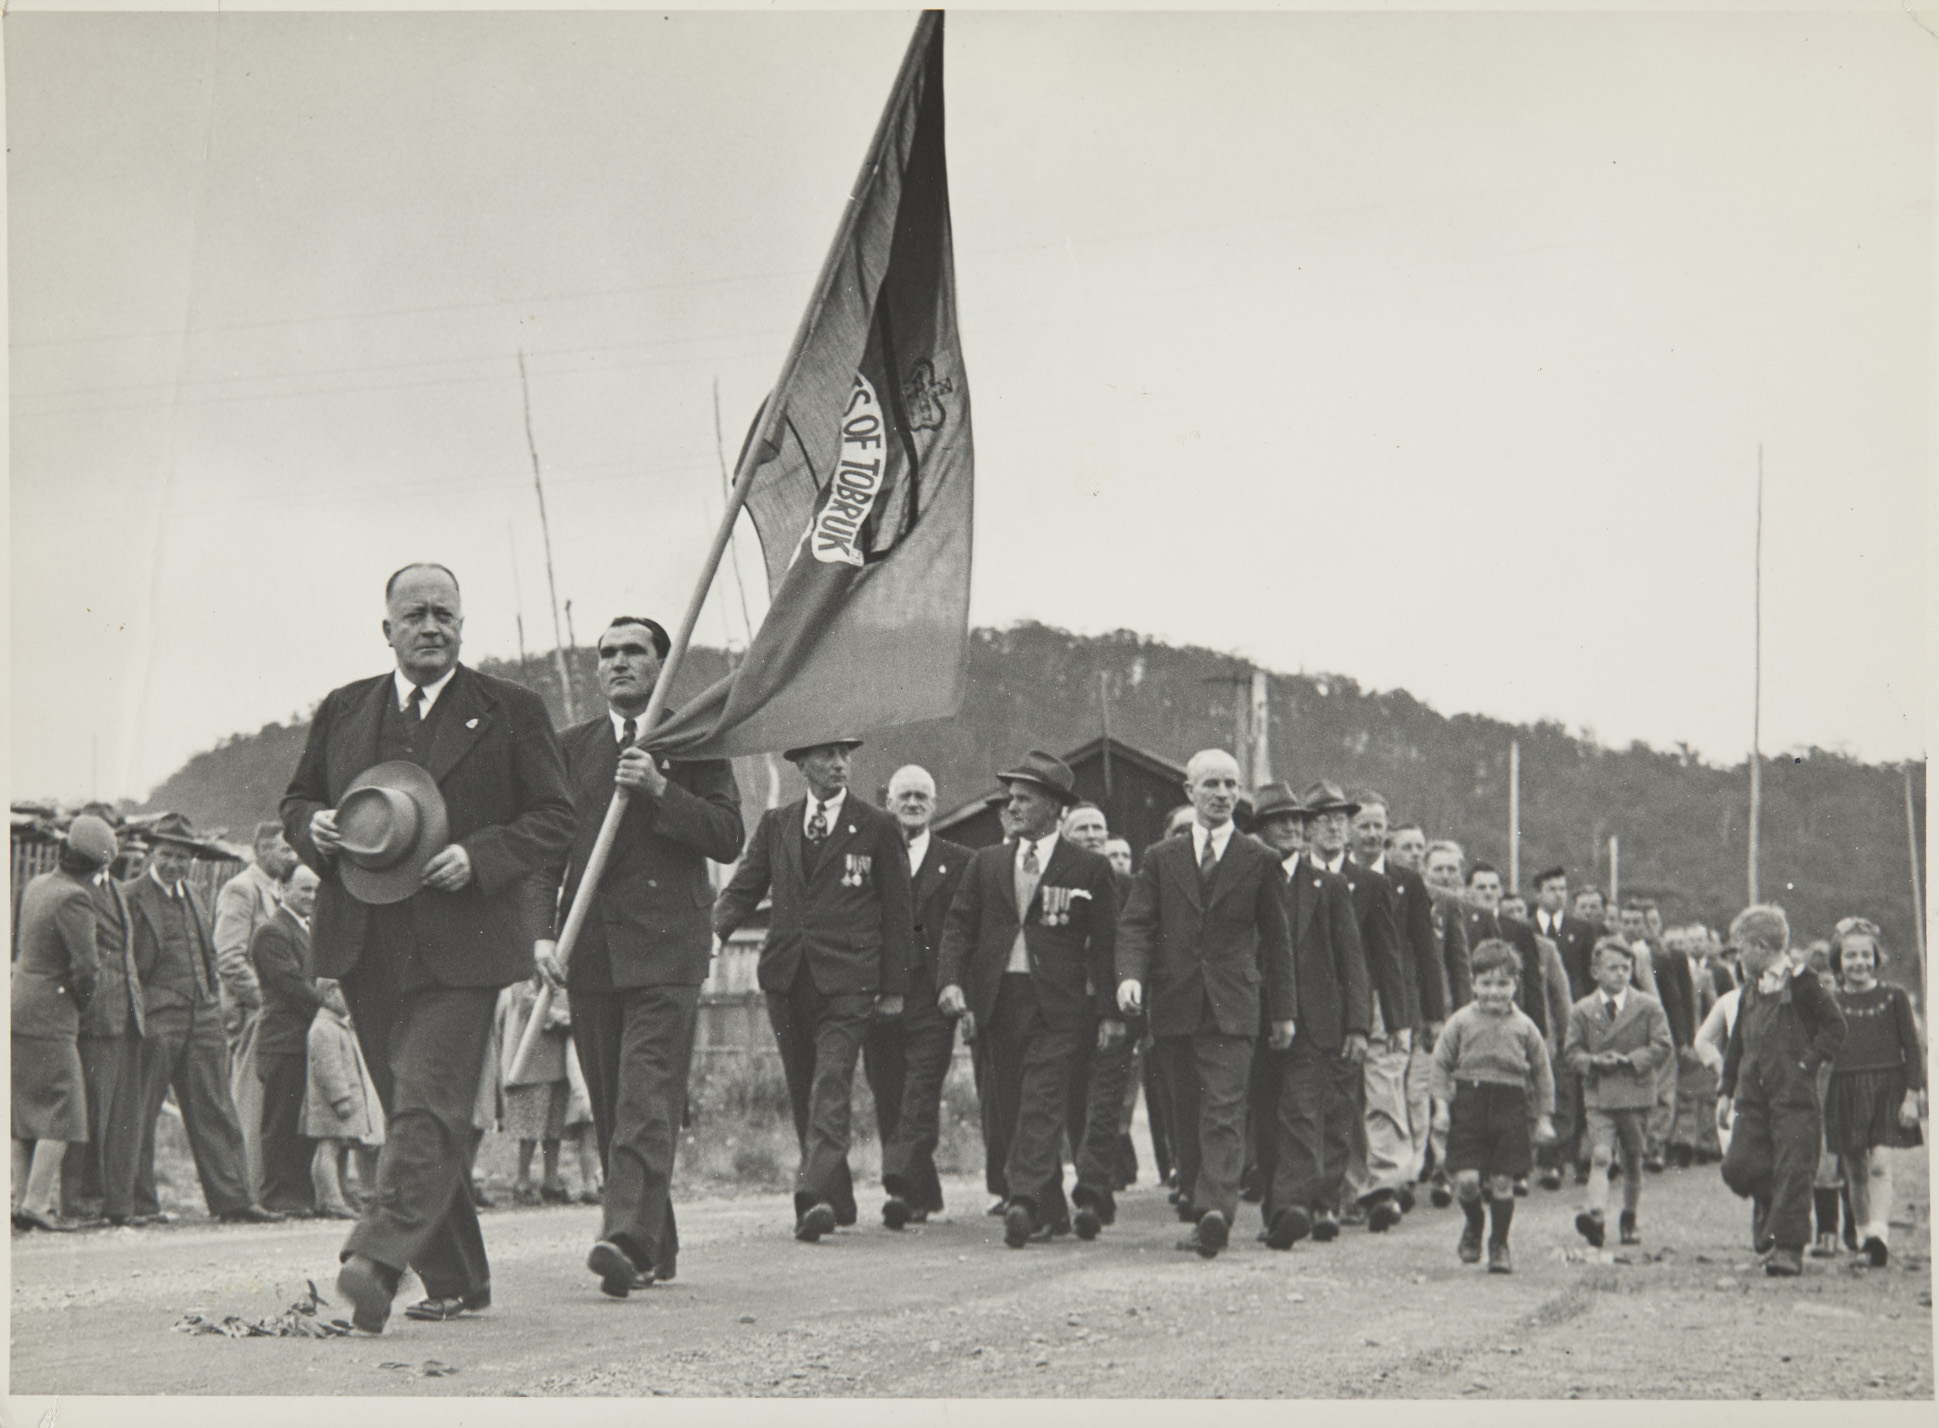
(1609, 1005)
(1208, 861)
(817, 822)
(1029, 873)
(416, 704)
(628, 734)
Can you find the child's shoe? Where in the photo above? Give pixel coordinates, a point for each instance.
(524, 1192)
(1498, 1259)
(1589, 1225)
(1876, 1254)
(1469, 1247)
(1626, 1228)
(1440, 1194)
(556, 1194)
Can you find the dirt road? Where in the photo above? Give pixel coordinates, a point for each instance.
(946, 1310)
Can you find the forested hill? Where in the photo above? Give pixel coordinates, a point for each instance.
(1834, 835)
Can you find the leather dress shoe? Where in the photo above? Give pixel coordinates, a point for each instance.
(370, 1287)
(25, 1219)
(1208, 1236)
(1017, 1226)
(997, 1208)
(1055, 1230)
(1551, 1178)
(1499, 1261)
(618, 1275)
(1086, 1223)
(1325, 1227)
(1589, 1224)
(1289, 1226)
(818, 1221)
(251, 1215)
(1383, 1213)
(896, 1212)
(436, 1311)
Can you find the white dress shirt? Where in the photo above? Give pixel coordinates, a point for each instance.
(918, 846)
(431, 691)
(1220, 836)
(1019, 954)
(831, 810)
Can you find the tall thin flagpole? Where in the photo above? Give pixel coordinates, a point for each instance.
(1514, 815)
(545, 528)
(1757, 681)
(1104, 721)
(750, 463)
(1918, 895)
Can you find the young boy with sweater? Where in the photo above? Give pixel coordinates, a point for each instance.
(1491, 1068)
(1618, 1036)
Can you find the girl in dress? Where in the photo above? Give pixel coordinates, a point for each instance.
(341, 1112)
(1878, 1079)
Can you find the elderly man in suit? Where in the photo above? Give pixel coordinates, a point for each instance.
(1374, 1171)
(421, 975)
(184, 1046)
(1027, 962)
(634, 978)
(906, 1058)
(282, 970)
(98, 1174)
(1304, 1099)
(247, 901)
(1205, 931)
(837, 954)
(1442, 869)
(1397, 1094)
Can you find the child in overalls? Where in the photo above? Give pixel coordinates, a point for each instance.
(1787, 1027)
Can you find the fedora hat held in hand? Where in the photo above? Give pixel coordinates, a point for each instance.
(390, 822)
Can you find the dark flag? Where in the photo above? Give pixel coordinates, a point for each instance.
(863, 501)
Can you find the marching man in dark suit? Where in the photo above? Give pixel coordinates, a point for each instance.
(184, 1045)
(1205, 930)
(1027, 965)
(280, 958)
(837, 954)
(906, 1058)
(431, 801)
(634, 981)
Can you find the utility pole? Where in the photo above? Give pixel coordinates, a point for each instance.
(1240, 684)
(518, 598)
(545, 528)
(1514, 815)
(1757, 681)
(1615, 869)
(1261, 730)
(1104, 721)
(1918, 895)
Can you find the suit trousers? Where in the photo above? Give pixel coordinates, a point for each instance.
(1099, 1151)
(246, 1091)
(1571, 1143)
(98, 1175)
(1031, 1064)
(1382, 1140)
(635, 1046)
(996, 1131)
(1775, 1141)
(820, 1037)
(1158, 1112)
(425, 1047)
(1420, 1105)
(1207, 1072)
(284, 1079)
(918, 1045)
(1662, 1114)
(1306, 1117)
(189, 1053)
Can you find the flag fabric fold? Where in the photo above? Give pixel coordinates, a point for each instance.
(863, 500)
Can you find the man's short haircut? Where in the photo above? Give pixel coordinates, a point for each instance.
(1183, 808)
(661, 641)
(1549, 875)
(1446, 845)
(1479, 868)
(1611, 944)
(912, 773)
(1080, 807)
(1761, 927)
(1586, 890)
(266, 830)
(1115, 839)
(1495, 955)
(1367, 797)
(1400, 828)
(403, 570)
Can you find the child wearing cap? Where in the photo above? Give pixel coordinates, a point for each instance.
(1491, 1068)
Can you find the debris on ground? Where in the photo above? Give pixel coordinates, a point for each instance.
(300, 1321)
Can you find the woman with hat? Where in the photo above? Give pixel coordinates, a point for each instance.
(53, 978)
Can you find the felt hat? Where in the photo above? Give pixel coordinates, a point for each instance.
(801, 751)
(93, 839)
(1272, 800)
(1048, 772)
(391, 821)
(175, 828)
(1326, 797)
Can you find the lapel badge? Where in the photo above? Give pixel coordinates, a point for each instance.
(471, 723)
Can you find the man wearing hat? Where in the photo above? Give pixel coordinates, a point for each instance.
(1328, 831)
(184, 1045)
(1027, 967)
(837, 953)
(1205, 930)
(432, 802)
(634, 977)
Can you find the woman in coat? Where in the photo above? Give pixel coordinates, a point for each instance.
(53, 978)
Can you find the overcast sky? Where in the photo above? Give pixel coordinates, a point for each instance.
(1432, 350)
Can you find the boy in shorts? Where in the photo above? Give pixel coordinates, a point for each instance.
(1491, 1067)
(1618, 1037)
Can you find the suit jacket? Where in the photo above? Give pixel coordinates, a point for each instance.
(1387, 972)
(1576, 941)
(116, 1008)
(936, 881)
(498, 765)
(1640, 1034)
(54, 971)
(1069, 933)
(147, 905)
(1479, 924)
(851, 915)
(1174, 935)
(280, 952)
(651, 916)
(1420, 944)
(1451, 926)
(245, 903)
(1676, 991)
(1328, 966)
(1533, 994)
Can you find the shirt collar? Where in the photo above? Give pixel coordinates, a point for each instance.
(831, 810)
(1378, 865)
(1335, 864)
(1220, 836)
(619, 726)
(1043, 846)
(1621, 998)
(297, 917)
(918, 848)
(405, 685)
(172, 889)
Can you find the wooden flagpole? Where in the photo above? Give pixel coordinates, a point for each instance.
(1757, 683)
(1514, 815)
(1918, 895)
(750, 463)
